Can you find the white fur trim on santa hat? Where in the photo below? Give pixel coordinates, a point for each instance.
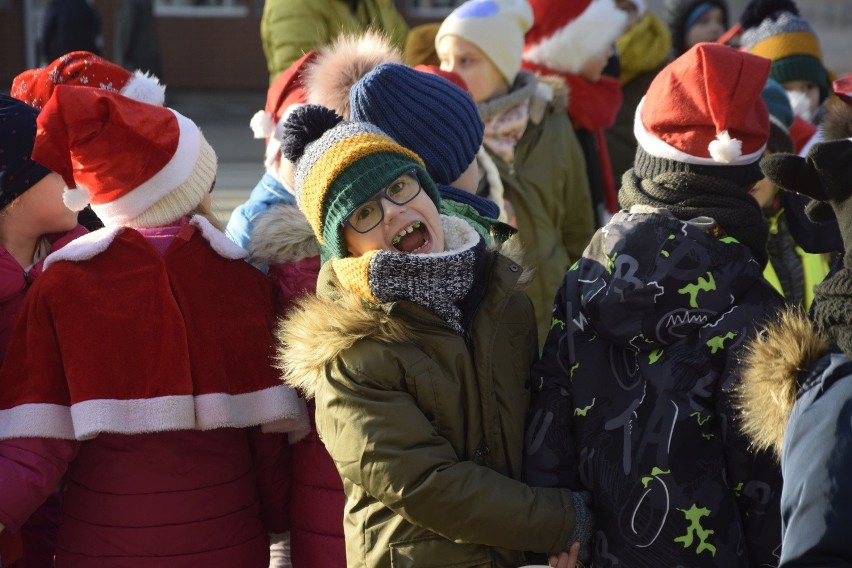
(224, 247)
(589, 35)
(133, 203)
(725, 149)
(84, 247)
(146, 88)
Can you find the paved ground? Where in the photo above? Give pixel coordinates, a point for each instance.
(224, 120)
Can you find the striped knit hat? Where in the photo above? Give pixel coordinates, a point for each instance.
(339, 165)
(774, 29)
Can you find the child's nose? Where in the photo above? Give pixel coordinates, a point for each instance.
(391, 209)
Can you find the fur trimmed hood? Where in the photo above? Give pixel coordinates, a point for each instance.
(342, 64)
(282, 235)
(320, 327)
(774, 365)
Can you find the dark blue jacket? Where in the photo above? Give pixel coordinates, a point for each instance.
(633, 397)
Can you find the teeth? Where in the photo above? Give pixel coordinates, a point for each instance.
(407, 230)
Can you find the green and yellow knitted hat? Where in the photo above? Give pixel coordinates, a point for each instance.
(339, 165)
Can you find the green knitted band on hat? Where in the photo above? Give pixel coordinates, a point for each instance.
(647, 166)
(357, 183)
(801, 68)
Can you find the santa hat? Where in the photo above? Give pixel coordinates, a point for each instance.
(566, 34)
(285, 91)
(86, 69)
(138, 164)
(704, 109)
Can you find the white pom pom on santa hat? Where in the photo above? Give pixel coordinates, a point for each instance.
(725, 149)
(75, 199)
(262, 124)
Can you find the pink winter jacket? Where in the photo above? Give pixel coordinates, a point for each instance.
(283, 240)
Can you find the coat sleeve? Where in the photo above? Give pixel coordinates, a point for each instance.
(381, 441)
(288, 30)
(30, 470)
(578, 226)
(816, 502)
(754, 476)
(549, 457)
(271, 454)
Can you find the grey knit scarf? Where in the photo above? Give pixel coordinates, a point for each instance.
(832, 308)
(689, 195)
(522, 89)
(439, 281)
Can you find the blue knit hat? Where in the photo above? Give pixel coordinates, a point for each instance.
(777, 103)
(422, 112)
(18, 172)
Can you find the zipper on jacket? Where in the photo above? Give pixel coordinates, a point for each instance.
(27, 279)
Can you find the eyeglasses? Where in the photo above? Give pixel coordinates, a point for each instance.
(367, 216)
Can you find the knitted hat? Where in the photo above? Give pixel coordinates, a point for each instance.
(704, 110)
(568, 33)
(139, 165)
(780, 117)
(286, 90)
(682, 14)
(450, 76)
(339, 165)
(836, 121)
(18, 172)
(773, 29)
(423, 112)
(85, 69)
(496, 27)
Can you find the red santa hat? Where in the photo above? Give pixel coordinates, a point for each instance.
(705, 108)
(566, 34)
(85, 69)
(138, 164)
(286, 90)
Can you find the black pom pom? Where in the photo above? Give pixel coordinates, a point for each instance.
(759, 10)
(304, 125)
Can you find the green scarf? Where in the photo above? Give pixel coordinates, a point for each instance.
(643, 48)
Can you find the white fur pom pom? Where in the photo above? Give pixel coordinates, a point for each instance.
(262, 125)
(725, 149)
(75, 199)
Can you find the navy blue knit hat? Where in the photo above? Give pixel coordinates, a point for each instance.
(422, 112)
(18, 172)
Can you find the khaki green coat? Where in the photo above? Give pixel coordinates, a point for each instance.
(426, 426)
(291, 28)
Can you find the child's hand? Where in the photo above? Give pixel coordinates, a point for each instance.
(565, 559)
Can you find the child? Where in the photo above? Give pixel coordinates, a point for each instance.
(528, 136)
(694, 21)
(574, 41)
(415, 348)
(796, 385)
(138, 371)
(33, 223)
(775, 30)
(632, 394)
(643, 50)
(791, 271)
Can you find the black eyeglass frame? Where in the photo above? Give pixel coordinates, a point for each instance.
(383, 194)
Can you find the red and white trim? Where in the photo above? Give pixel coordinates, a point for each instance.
(173, 174)
(275, 409)
(568, 49)
(660, 149)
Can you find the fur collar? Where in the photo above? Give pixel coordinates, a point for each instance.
(774, 365)
(282, 235)
(320, 327)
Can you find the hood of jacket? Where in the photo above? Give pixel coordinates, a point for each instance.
(282, 235)
(773, 369)
(320, 327)
(648, 279)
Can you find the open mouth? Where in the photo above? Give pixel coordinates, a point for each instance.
(412, 239)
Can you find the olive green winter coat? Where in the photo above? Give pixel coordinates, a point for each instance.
(291, 28)
(426, 426)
